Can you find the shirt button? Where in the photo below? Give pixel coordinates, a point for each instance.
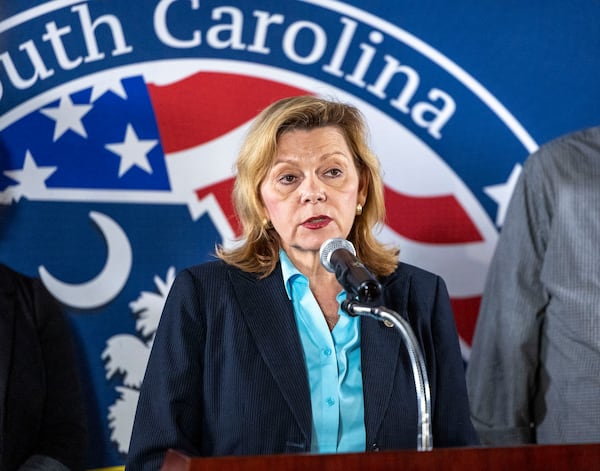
(327, 352)
(330, 401)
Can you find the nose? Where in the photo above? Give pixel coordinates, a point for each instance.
(312, 192)
(313, 197)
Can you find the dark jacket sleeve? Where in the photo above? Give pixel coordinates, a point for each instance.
(171, 393)
(451, 414)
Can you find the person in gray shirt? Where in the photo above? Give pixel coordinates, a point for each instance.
(534, 371)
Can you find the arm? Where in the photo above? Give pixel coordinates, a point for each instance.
(451, 418)
(422, 298)
(169, 409)
(62, 437)
(504, 357)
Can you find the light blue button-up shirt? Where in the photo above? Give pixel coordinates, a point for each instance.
(333, 365)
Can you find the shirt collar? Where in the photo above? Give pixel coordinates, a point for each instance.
(289, 272)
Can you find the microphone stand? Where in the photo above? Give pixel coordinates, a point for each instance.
(382, 314)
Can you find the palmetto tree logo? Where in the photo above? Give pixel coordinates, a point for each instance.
(127, 355)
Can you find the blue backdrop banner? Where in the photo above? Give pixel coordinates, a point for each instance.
(120, 124)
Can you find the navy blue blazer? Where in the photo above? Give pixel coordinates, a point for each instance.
(226, 375)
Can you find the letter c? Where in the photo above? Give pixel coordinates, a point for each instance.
(163, 33)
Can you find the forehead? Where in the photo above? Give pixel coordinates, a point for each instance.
(315, 142)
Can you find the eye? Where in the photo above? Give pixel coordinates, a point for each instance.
(287, 179)
(334, 172)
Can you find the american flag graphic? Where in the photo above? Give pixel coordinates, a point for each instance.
(132, 141)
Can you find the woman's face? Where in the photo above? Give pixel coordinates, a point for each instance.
(312, 189)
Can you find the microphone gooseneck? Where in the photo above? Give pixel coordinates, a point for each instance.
(417, 361)
(339, 256)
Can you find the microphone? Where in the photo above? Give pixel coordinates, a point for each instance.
(339, 256)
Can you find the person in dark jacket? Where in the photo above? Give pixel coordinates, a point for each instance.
(42, 422)
(254, 354)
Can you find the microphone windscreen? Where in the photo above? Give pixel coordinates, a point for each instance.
(330, 246)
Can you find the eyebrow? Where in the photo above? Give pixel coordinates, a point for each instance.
(321, 158)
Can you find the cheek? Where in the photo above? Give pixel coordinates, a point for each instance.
(349, 205)
(350, 198)
(265, 197)
(272, 205)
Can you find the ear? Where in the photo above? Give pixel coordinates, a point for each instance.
(363, 187)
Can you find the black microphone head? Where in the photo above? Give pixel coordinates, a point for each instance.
(330, 246)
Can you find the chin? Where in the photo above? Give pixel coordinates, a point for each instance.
(319, 239)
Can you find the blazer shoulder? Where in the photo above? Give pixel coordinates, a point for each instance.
(405, 272)
(211, 267)
(217, 272)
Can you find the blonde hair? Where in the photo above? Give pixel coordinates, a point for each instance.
(258, 251)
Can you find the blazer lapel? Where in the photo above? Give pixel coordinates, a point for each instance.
(270, 317)
(380, 353)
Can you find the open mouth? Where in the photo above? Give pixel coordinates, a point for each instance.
(316, 222)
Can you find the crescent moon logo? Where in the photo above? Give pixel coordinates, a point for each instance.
(109, 282)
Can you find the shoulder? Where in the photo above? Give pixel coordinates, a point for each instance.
(29, 292)
(214, 279)
(10, 280)
(405, 272)
(576, 150)
(210, 268)
(215, 272)
(567, 166)
(421, 294)
(583, 137)
(412, 283)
